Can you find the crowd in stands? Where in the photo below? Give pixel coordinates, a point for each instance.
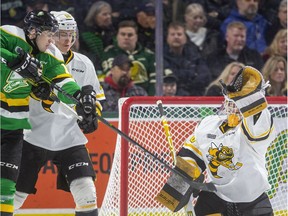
(204, 40)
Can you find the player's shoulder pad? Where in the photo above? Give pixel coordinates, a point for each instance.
(54, 51)
(14, 30)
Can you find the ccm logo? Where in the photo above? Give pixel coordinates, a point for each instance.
(78, 165)
(9, 165)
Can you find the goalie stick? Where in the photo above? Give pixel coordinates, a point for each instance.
(189, 208)
(167, 131)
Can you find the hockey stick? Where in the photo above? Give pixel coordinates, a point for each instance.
(197, 185)
(167, 131)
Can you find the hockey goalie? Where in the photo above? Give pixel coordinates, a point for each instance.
(230, 147)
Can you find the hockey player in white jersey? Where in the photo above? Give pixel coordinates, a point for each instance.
(57, 136)
(231, 148)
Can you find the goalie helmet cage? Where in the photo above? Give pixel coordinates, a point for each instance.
(136, 178)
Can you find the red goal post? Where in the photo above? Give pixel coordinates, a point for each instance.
(136, 178)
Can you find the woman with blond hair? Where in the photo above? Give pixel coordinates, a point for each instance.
(207, 40)
(275, 71)
(278, 46)
(227, 75)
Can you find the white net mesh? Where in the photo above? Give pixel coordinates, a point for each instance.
(134, 194)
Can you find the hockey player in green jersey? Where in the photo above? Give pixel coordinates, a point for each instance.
(59, 146)
(27, 55)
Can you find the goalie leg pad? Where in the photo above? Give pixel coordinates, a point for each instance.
(84, 194)
(176, 193)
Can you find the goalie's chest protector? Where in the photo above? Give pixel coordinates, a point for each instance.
(232, 163)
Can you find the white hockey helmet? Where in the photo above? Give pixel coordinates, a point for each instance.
(65, 20)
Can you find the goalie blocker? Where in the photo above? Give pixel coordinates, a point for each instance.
(176, 193)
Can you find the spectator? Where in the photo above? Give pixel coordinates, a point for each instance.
(97, 32)
(146, 25)
(169, 83)
(235, 50)
(119, 84)
(184, 59)
(279, 23)
(227, 75)
(278, 46)
(143, 71)
(275, 70)
(206, 39)
(247, 13)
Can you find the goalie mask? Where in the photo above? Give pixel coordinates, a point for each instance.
(234, 116)
(67, 26)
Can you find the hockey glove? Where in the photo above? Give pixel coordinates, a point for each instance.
(247, 91)
(87, 109)
(26, 66)
(42, 91)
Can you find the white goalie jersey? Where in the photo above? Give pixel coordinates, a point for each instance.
(234, 157)
(59, 130)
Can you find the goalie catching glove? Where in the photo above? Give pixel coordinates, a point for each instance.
(88, 109)
(247, 90)
(26, 66)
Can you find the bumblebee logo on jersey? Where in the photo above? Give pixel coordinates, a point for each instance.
(79, 164)
(221, 156)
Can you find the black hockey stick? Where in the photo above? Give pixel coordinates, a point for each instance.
(197, 185)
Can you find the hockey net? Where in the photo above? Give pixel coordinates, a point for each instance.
(136, 178)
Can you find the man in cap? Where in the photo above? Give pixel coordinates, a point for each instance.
(119, 84)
